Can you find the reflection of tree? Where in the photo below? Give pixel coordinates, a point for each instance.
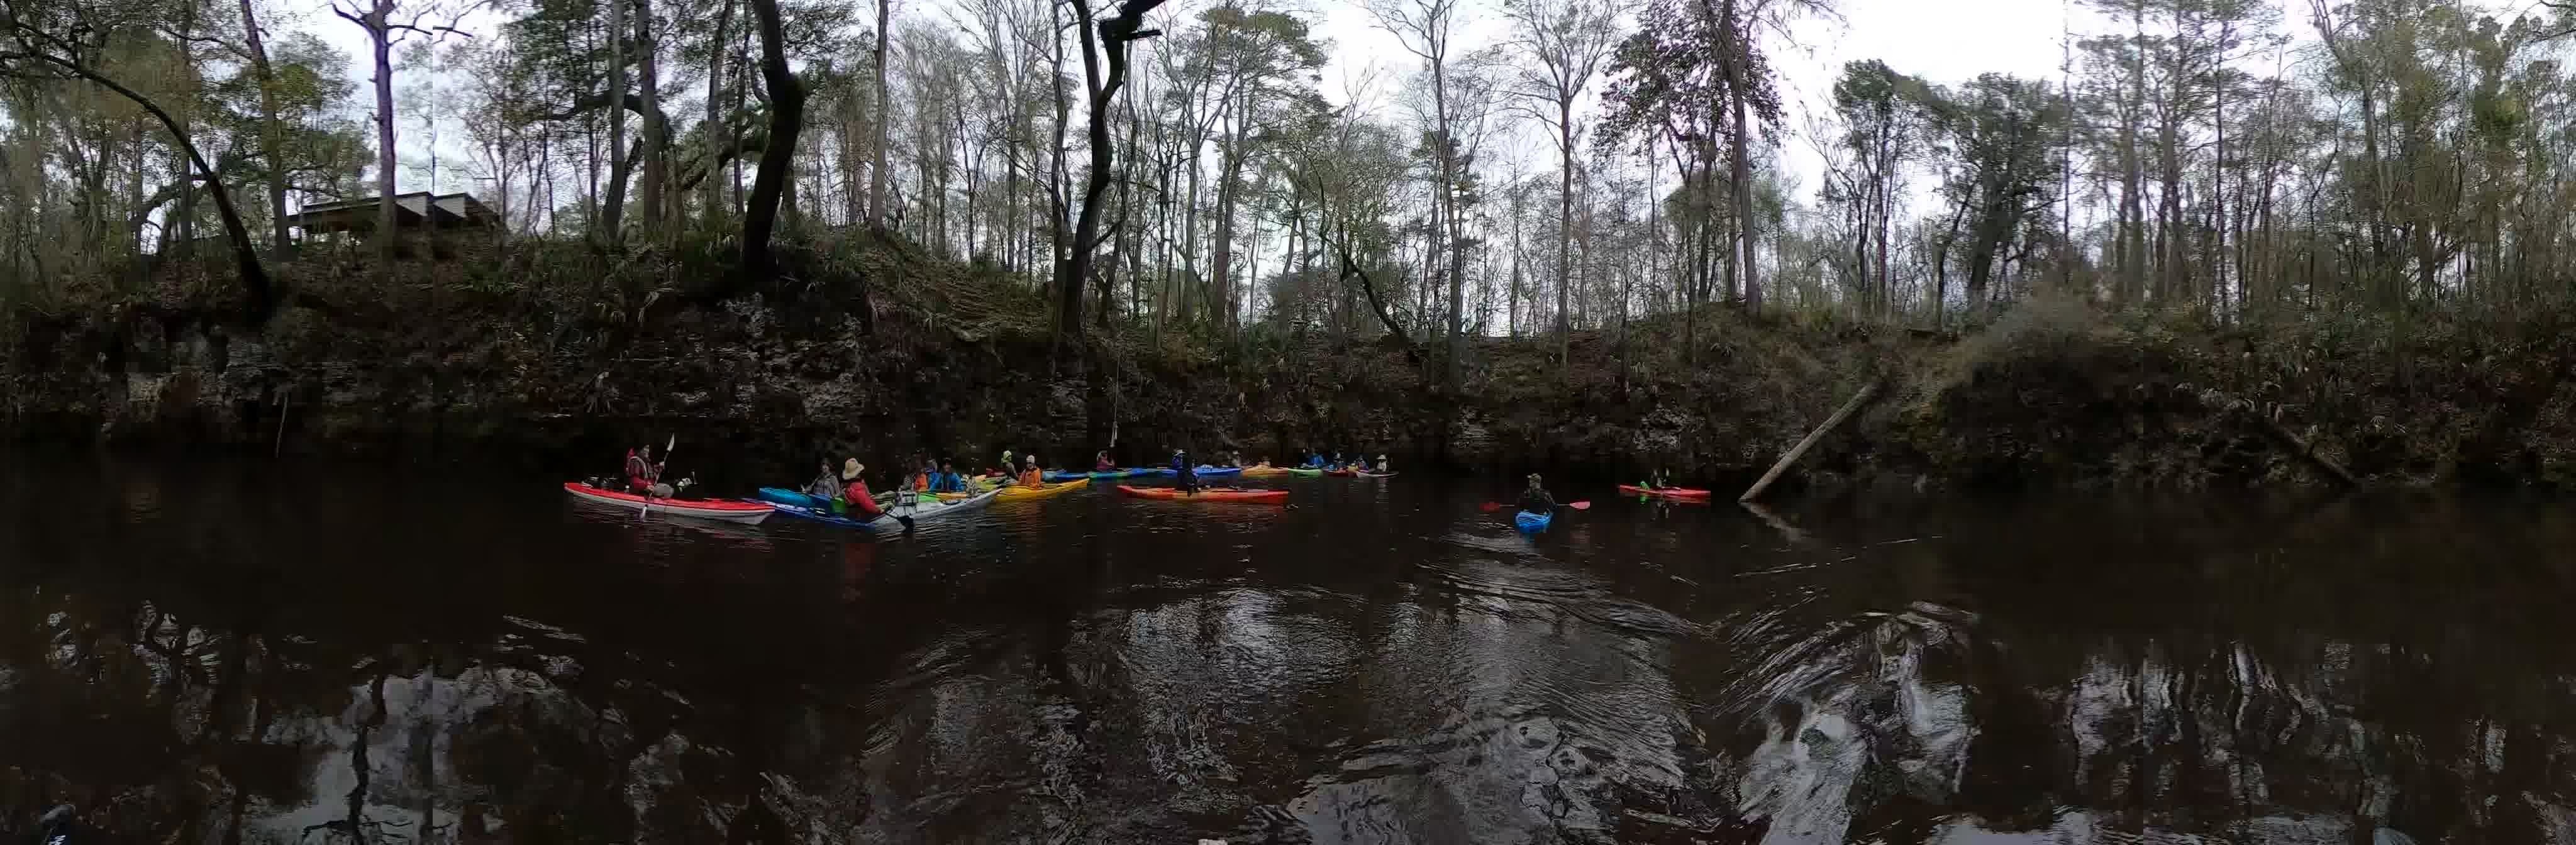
(179, 732)
(2190, 682)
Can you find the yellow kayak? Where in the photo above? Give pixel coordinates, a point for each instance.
(1255, 472)
(1042, 491)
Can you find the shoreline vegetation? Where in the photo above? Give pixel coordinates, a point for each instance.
(791, 231)
(539, 354)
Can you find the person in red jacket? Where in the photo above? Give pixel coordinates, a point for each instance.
(643, 476)
(854, 493)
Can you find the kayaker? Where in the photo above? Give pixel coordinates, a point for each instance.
(1184, 473)
(1008, 466)
(901, 500)
(1101, 463)
(825, 485)
(1031, 476)
(1383, 466)
(947, 481)
(854, 492)
(639, 468)
(1535, 499)
(642, 474)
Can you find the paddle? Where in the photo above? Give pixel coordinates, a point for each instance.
(656, 478)
(1490, 507)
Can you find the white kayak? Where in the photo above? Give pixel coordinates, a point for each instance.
(709, 509)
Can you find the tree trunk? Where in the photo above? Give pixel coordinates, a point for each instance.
(713, 201)
(1221, 260)
(1116, 32)
(1739, 50)
(885, 115)
(2133, 237)
(786, 117)
(613, 209)
(1564, 226)
(382, 53)
(657, 140)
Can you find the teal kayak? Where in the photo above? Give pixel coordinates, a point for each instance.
(895, 520)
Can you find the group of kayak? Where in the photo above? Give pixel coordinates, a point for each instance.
(1538, 509)
(937, 489)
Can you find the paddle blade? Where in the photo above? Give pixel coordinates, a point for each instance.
(1581, 506)
(1490, 507)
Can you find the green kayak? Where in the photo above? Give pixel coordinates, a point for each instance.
(1305, 473)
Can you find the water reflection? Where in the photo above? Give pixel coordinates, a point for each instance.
(442, 662)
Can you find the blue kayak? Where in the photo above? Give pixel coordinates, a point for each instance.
(784, 496)
(1203, 471)
(1532, 522)
(1056, 475)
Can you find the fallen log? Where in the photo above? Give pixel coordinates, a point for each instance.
(1800, 450)
(2299, 446)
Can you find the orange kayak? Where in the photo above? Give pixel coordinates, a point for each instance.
(1205, 495)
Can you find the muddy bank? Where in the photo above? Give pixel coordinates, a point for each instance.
(875, 350)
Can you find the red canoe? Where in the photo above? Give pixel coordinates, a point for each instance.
(747, 513)
(1680, 493)
(1205, 495)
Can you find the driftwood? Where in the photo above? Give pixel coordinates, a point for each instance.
(2299, 446)
(2265, 421)
(1796, 537)
(1800, 450)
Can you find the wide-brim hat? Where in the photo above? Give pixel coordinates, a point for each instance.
(851, 468)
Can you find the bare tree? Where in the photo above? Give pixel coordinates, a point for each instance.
(1568, 40)
(885, 115)
(383, 32)
(1425, 27)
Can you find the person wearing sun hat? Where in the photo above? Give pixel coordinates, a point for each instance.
(854, 496)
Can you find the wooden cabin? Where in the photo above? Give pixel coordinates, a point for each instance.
(413, 211)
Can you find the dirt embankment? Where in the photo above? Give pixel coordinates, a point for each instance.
(873, 349)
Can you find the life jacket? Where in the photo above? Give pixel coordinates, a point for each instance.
(638, 472)
(1033, 478)
(857, 495)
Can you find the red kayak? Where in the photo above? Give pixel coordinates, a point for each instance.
(1265, 497)
(1677, 493)
(747, 513)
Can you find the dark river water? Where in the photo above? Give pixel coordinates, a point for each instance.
(224, 652)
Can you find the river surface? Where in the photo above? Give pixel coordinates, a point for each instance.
(243, 652)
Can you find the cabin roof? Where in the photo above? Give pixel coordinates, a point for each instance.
(412, 210)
